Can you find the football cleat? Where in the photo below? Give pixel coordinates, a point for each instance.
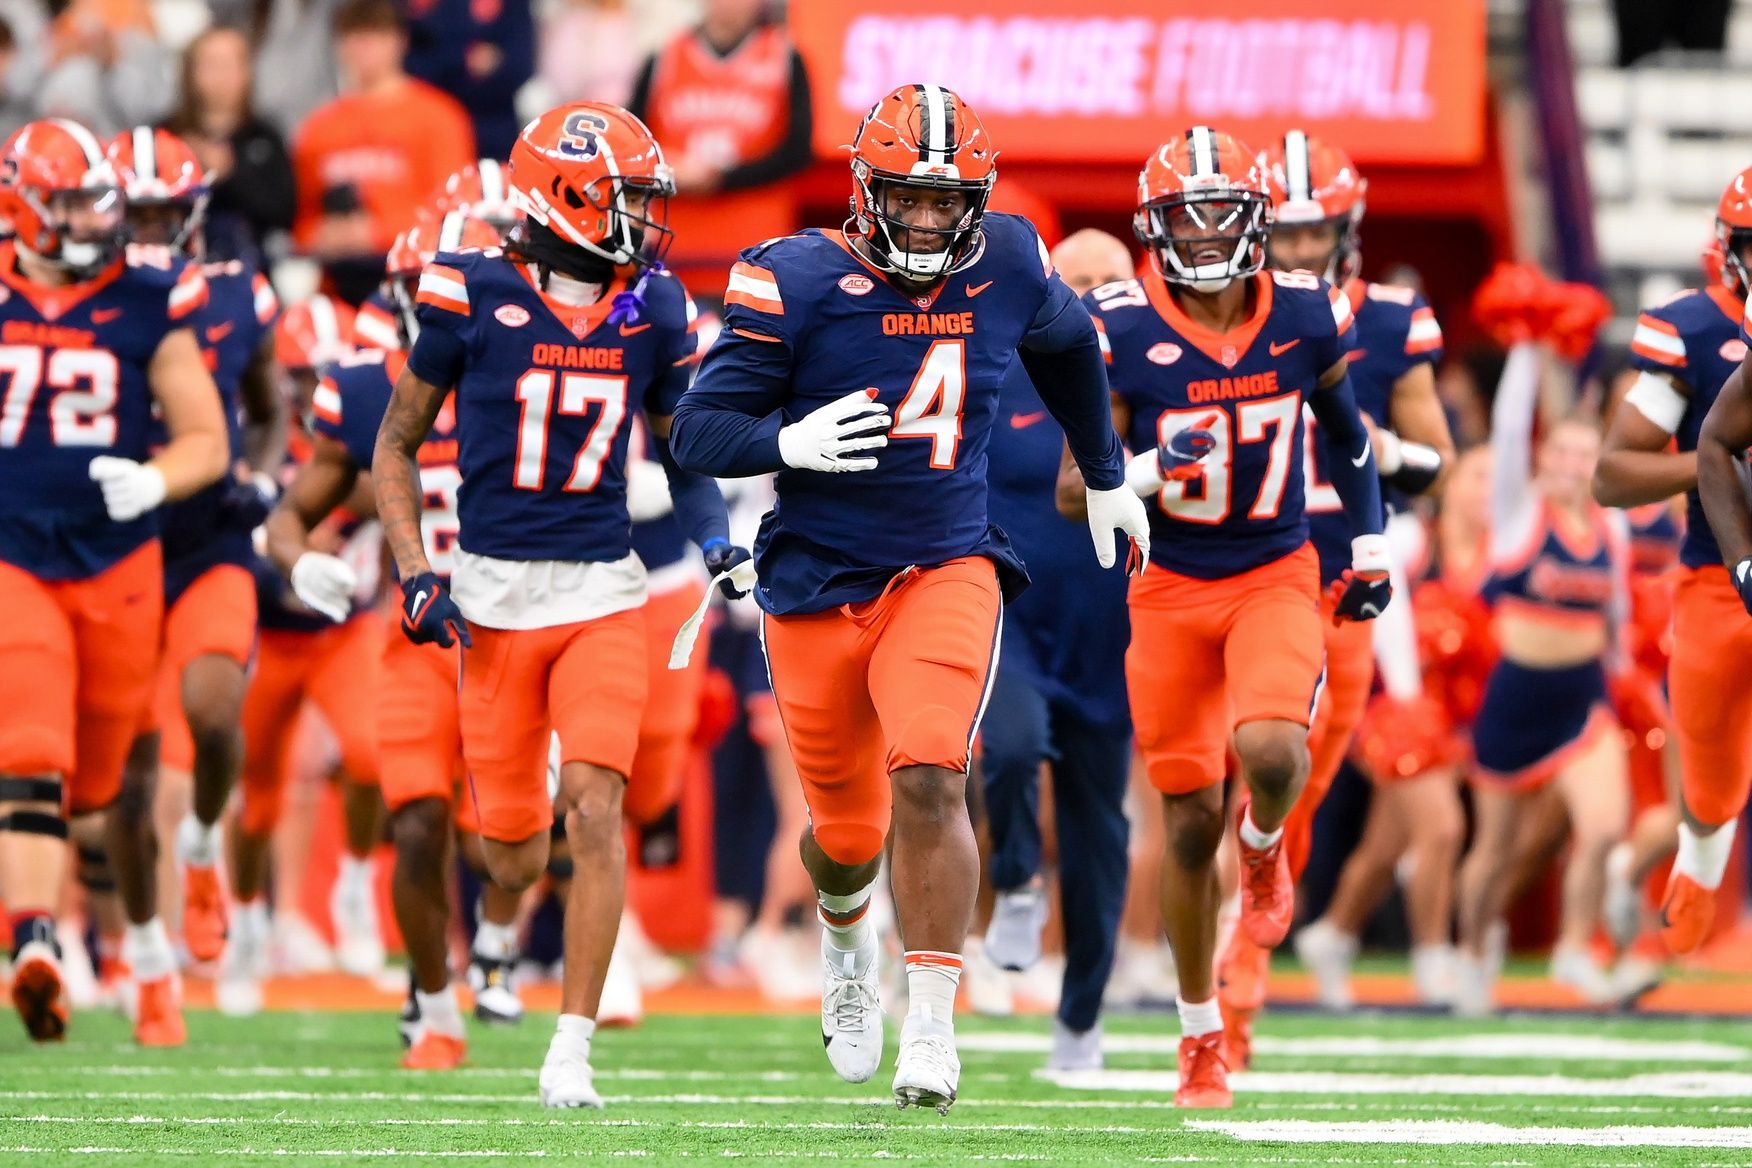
(495, 1002)
(1013, 939)
(204, 923)
(239, 991)
(1687, 911)
(567, 1080)
(1074, 1050)
(407, 1023)
(158, 1021)
(1204, 1076)
(358, 940)
(1268, 894)
(38, 992)
(851, 1010)
(926, 1073)
(433, 1051)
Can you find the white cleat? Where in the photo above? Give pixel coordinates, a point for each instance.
(298, 950)
(1432, 974)
(1328, 954)
(238, 993)
(568, 1081)
(990, 991)
(1574, 968)
(851, 1010)
(495, 1001)
(1012, 941)
(926, 1073)
(358, 939)
(1075, 1050)
(623, 1002)
(774, 959)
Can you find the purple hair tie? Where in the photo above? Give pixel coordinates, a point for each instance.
(630, 303)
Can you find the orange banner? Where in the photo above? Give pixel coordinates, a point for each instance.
(1391, 81)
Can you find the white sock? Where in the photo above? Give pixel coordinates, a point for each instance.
(932, 977)
(846, 919)
(440, 1012)
(197, 843)
(1705, 858)
(572, 1034)
(495, 942)
(146, 949)
(1256, 839)
(357, 874)
(1198, 1019)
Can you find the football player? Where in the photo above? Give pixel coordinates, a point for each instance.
(1213, 360)
(93, 339)
(548, 347)
(864, 366)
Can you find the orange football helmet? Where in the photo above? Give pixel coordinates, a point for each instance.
(1314, 182)
(480, 189)
(313, 333)
(1204, 209)
(165, 184)
(921, 136)
(1734, 232)
(60, 195)
(594, 189)
(414, 249)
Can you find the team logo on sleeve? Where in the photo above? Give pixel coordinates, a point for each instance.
(855, 284)
(1734, 350)
(1163, 353)
(511, 315)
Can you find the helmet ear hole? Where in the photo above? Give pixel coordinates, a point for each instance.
(574, 200)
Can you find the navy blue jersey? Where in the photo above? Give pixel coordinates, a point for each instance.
(1396, 332)
(1696, 338)
(1246, 387)
(808, 321)
(73, 367)
(198, 531)
(374, 326)
(348, 407)
(544, 396)
(1074, 615)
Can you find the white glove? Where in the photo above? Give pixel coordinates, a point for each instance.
(647, 491)
(852, 423)
(325, 584)
(130, 489)
(1119, 508)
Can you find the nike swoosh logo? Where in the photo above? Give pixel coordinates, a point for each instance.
(214, 335)
(415, 611)
(975, 289)
(627, 330)
(104, 315)
(1023, 421)
(1362, 459)
(1278, 350)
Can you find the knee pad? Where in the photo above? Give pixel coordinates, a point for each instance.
(850, 844)
(934, 736)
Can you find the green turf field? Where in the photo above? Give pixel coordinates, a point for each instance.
(323, 1088)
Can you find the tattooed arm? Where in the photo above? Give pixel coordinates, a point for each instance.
(395, 475)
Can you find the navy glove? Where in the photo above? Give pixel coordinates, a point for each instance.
(723, 556)
(1742, 574)
(1359, 597)
(428, 613)
(247, 503)
(1180, 457)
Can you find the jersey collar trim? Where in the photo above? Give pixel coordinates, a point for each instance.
(930, 299)
(1211, 343)
(52, 302)
(1732, 306)
(589, 317)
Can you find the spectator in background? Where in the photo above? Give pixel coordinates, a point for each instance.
(480, 52)
(366, 161)
(246, 161)
(106, 67)
(294, 54)
(15, 101)
(587, 52)
(730, 102)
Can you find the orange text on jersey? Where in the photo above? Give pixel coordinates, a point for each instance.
(577, 357)
(927, 324)
(49, 336)
(1215, 389)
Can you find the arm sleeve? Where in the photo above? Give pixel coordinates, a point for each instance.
(1511, 442)
(1061, 354)
(727, 424)
(699, 504)
(1353, 469)
(794, 152)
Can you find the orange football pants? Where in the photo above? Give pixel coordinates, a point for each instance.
(1350, 673)
(77, 659)
(585, 681)
(215, 616)
(868, 688)
(419, 727)
(1712, 706)
(672, 709)
(336, 669)
(1209, 655)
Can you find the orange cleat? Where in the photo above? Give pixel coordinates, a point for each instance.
(203, 913)
(1204, 1076)
(1687, 911)
(1268, 894)
(39, 993)
(1241, 978)
(159, 1020)
(433, 1051)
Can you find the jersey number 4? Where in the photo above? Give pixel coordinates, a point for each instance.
(535, 398)
(1206, 499)
(932, 406)
(84, 384)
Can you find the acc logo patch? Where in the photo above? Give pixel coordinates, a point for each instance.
(854, 284)
(511, 315)
(1163, 352)
(1734, 349)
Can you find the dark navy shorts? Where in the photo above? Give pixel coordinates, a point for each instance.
(1532, 721)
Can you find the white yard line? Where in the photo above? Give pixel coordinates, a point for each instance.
(1668, 1085)
(582, 1119)
(1427, 1131)
(1531, 1045)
